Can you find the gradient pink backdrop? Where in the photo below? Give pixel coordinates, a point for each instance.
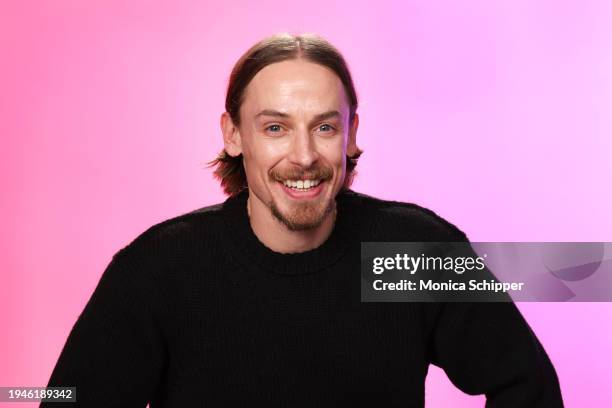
(496, 114)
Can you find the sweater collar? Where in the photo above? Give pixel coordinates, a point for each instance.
(256, 253)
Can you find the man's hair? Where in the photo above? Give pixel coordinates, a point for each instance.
(280, 47)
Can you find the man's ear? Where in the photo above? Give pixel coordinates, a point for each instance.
(231, 135)
(351, 145)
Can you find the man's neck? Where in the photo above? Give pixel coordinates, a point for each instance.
(276, 236)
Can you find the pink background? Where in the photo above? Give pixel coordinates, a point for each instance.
(494, 114)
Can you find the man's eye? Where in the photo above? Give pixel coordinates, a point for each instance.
(326, 128)
(274, 128)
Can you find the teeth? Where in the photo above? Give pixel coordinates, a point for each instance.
(301, 184)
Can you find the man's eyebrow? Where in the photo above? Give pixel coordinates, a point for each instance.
(327, 115)
(271, 112)
(321, 116)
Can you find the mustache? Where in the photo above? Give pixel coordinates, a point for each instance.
(320, 173)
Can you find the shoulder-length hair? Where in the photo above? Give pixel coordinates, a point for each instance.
(280, 47)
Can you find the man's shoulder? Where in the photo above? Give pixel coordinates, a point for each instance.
(180, 231)
(399, 220)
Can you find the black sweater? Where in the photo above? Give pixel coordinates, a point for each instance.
(197, 312)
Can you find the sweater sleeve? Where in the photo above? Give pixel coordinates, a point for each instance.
(114, 354)
(488, 348)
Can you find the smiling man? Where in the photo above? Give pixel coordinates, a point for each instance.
(294, 128)
(256, 301)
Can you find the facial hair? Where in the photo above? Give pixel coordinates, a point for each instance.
(305, 215)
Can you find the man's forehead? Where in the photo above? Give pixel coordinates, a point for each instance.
(296, 85)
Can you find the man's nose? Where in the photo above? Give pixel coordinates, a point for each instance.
(303, 149)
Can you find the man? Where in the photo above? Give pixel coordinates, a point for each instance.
(256, 301)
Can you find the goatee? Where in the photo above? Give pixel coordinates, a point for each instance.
(304, 216)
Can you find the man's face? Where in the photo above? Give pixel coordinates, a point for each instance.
(294, 134)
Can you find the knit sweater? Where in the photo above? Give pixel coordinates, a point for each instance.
(197, 312)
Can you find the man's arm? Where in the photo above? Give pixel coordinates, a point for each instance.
(488, 348)
(114, 354)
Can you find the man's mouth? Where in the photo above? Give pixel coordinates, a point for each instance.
(302, 185)
(305, 189)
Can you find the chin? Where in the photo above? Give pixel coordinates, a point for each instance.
(303, 216)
